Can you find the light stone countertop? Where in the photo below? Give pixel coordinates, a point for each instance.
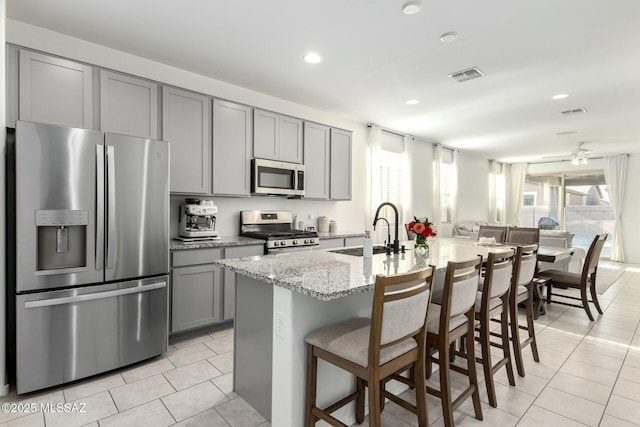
(321, 274)
(177, 245)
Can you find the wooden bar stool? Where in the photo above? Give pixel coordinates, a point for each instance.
(522, 290)
(373, 350)
(446, 323)
(493, 300)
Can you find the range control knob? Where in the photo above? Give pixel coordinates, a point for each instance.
(295, 242)
(283, 243)
(306, 242)
(312, 241)
(276, 243)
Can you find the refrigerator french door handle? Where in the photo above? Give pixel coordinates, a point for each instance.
(112, 238)
(90, 297)
(99, 207)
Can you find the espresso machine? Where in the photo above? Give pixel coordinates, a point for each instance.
(197, 220)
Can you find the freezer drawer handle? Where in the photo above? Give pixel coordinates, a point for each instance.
(89, 297)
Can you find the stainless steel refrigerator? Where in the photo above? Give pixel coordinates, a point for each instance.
(91, 252)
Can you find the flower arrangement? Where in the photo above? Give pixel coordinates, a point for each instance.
(422, 229)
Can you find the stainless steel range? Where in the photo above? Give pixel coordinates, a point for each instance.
(276, 228)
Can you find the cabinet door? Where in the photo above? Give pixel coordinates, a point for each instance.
(290, 140)
(232, 126)
(316, 161)
(340, 165)
(186, 124)
(229, 306)
(265, 134)
(128, 105)
(55, 91)
(195, 297)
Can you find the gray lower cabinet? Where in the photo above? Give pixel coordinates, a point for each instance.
(316, 161)
(340, 165)
(128, 105)
(331, 243)
(196, 289)
(232, 141)
(203, 294)
(186, 124)
(277, 137)
(230, 277)
(54, 90)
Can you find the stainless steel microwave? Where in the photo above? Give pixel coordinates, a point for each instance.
(271, 177)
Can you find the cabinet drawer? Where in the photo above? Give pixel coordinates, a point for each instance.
(196, 256)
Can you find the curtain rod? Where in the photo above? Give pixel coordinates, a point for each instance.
(369, 125)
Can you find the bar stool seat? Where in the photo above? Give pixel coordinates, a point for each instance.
(350, 340)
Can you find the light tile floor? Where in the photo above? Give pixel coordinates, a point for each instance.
(589, 374)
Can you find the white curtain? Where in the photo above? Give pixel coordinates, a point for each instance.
(517, 175)
(437, 196)
(493, 190)
(454, 188)
(374, 148)
(615, 173)
(407, 179)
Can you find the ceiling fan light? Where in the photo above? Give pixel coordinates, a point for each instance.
(584, 161)
(574, 160)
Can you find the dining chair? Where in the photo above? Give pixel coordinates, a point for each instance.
(523, 235)
(493, 300)
(375, 349)
(584, 280)
(524, 268)
(448, 322)
(498, 232)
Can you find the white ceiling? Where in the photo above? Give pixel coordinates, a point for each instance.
(375, 58)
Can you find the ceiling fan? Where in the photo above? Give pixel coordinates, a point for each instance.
(579, 156)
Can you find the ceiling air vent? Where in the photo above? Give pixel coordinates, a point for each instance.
(464, 75)
(569, 132)
(576, 111)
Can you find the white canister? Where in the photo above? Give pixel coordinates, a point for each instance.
(323, 224)
(333, 227)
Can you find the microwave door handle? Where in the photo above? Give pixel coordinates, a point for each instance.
(112, 243)
(99, 207)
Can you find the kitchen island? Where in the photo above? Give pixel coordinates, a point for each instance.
(281, 298)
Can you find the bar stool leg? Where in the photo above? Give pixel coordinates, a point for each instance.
(445, 384)
(471, 367)
(360, 400)
(373, 384)
(515, 338)
(506, 351)
(312, 375)
(530, 327)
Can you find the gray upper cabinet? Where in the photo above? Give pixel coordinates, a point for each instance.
(316, 161)
(340, 165)
(290, 147)
(277, 137)
(186, 124)
(265, 134)
(56, 91)
(232, 137)
(128, 105)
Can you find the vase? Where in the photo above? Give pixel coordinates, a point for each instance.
(421, 249)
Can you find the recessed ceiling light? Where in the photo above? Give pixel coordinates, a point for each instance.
(412, 102)
(411, 7)
(449, 37)
(312, 58)
(560, 96)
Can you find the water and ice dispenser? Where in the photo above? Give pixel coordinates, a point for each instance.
(61, 239)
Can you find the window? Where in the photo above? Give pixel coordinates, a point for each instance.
(391, 171)
(447, 186)
(529, 199)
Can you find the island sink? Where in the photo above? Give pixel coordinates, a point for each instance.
(358, 251)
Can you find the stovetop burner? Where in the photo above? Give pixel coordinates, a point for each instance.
(279, 234)
(275, 227)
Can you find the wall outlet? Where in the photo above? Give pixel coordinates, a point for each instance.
(281, 324)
